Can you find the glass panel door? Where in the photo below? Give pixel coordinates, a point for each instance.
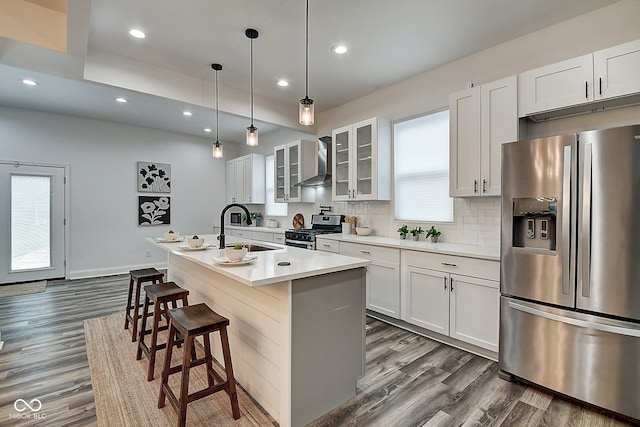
(342, 168)
(364, 162)
(279, 187)
(32, 212)
(294, 171)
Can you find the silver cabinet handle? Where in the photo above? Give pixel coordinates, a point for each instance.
(445, 282)
(584, 249)
(620, 330)
(365, 252)
(566, 219)
(449, 264)
(325, 245)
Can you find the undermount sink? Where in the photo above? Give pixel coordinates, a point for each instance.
(255, 248)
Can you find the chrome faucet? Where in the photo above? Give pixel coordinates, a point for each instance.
(226, 208)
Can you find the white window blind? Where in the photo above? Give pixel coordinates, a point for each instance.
(422, 169)
(271, 208)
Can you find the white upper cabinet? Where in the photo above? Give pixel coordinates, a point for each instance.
(616, 70)
(245, 179)
(575, 84)
(294, 162)
(558, 85)
(482, 118)
(361, 156)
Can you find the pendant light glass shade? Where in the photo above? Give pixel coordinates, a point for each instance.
(252, 131)
(217, 150)
(306, 114)
(252, 135)
(217, 147)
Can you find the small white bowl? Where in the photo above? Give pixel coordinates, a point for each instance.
(195, 243)
(364, 231)
(235, 254)
(171, 236)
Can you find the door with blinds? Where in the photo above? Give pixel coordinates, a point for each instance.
(32, 222)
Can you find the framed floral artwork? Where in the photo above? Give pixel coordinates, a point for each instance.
(154, 177)
(154, 210)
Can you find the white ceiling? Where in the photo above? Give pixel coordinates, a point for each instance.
(389, 41)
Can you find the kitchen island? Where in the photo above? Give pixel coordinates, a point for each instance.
(296, 331)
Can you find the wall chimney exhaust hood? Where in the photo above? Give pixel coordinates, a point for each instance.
(323, 174)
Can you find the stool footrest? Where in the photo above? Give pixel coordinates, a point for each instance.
(206, 392)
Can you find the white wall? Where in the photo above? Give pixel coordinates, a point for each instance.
(104, 236)
(477, 220)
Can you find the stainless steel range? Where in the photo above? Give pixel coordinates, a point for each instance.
(320, 224)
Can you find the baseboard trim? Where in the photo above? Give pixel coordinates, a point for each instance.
(112, 271)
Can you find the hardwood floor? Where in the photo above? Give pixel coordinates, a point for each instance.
(410, 380)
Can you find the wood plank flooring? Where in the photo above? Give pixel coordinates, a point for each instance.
(410, 380)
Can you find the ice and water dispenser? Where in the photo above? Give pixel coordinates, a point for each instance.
(534, 222)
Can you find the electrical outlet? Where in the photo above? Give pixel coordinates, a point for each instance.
(148, 254)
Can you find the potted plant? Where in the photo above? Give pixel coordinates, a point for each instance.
(434, 234)
(416, 232)
(404, 230)
(255, 217)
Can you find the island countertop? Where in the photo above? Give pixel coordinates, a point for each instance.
(265, 269)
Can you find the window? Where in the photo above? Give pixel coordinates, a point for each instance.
(271, 208)
(422, 169)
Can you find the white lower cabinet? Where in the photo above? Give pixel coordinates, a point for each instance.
(327, 245)
(453, 296)
(383, 276)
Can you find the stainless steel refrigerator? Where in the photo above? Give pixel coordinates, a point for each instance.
(570, 266)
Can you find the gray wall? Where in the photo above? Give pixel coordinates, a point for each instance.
(104, 236)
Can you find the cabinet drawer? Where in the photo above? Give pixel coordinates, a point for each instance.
(374, 253)
(278, 238)
(328, 245)
(245, 234)
(474, 267)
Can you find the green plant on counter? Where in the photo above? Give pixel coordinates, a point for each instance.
(416, 231)
(434, 234)
(255, 215)
(404, 230)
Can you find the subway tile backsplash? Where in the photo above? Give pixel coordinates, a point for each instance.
(476, 220)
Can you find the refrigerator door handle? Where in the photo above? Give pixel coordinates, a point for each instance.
(584, 248)
(576, 322)
(566, 220)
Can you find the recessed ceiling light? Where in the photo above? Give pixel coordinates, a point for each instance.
(187, 113)
(29, 82)
(283, 83)
(122, 100)
(137, 33)
(207, 130)
(340, 49)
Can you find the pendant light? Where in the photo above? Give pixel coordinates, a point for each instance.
(305, 114)
(217, 147)
(252, 131)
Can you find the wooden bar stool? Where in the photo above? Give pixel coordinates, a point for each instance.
(158, 295)
(138, 277)
(189, 323)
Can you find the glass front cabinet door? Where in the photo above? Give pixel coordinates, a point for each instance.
(362, 161)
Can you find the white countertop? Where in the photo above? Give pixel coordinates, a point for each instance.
(472, 251)
(265, 269)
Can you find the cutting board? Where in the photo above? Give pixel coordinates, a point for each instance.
(298, 221)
